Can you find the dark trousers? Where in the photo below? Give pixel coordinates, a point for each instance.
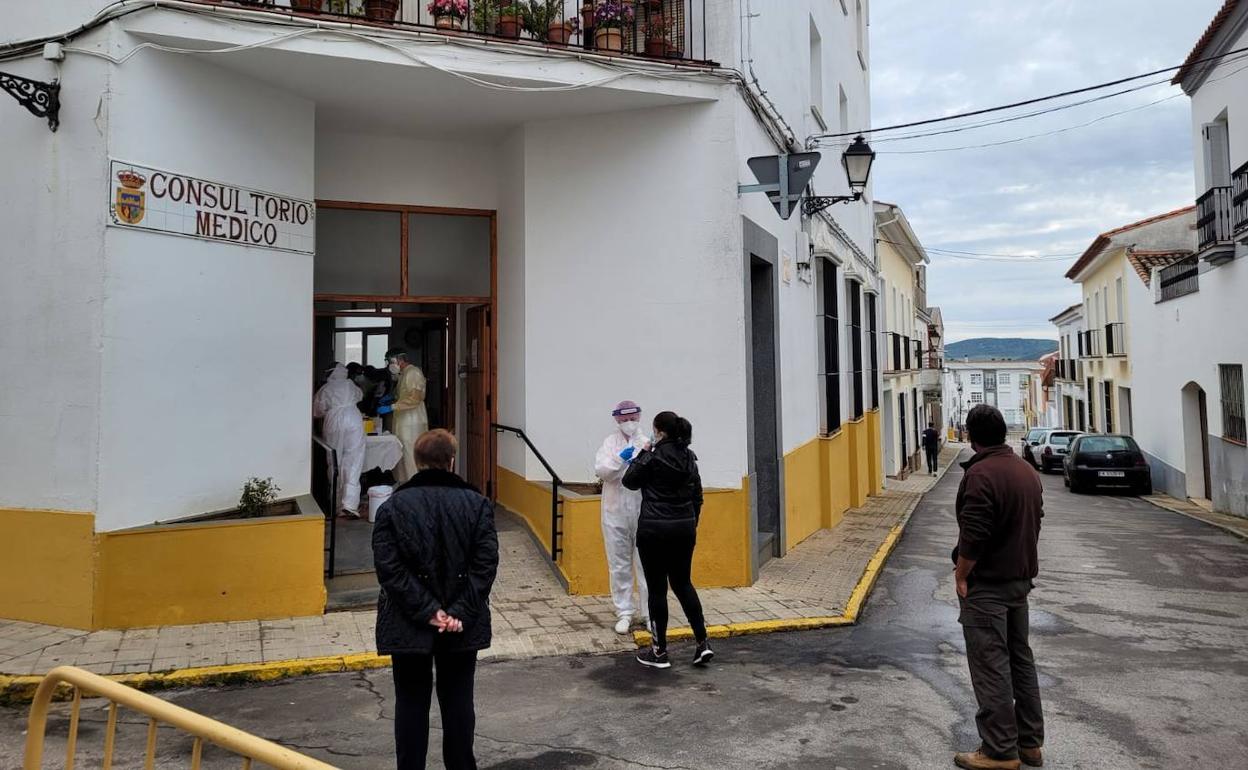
(932, 453)
(1003, 670)
(667, 560)
(413, 689)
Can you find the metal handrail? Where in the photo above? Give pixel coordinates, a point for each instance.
(332, 548)
(555, 482)
(246, 745)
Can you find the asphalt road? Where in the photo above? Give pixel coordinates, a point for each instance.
(1140, 626)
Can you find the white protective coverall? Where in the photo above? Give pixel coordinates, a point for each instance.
(411, 418)
(620, 509)
(344, 431)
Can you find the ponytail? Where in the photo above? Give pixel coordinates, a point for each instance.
(674, 427)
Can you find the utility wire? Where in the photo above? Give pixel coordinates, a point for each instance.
(1026, 102)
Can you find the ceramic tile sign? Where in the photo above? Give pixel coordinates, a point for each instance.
(144, 198)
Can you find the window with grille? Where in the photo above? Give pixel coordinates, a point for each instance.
(1109, 406)
(855, 341)
(1003, 379)
(830, 346)
(977, 379)
(977, 397)
(1232, 377)
(1091, 391)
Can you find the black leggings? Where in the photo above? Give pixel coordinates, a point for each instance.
(667, 560)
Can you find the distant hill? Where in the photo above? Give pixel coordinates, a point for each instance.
(999, 348)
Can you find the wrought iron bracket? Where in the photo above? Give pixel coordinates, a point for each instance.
(43, 100)
(812, 205)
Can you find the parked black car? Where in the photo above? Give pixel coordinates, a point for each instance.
(1100, 461)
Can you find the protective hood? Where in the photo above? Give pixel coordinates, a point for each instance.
(339, 372)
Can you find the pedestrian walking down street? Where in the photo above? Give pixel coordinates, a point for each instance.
(671, 503)
(436, 553)
(999, 506)
(931, 447)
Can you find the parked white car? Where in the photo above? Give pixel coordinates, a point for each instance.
(1031, 439)
(1051, 452)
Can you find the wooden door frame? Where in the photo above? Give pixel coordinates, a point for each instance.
(405, 298)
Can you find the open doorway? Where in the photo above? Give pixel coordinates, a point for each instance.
(766, 481)
(420, 280)
(1196, 442)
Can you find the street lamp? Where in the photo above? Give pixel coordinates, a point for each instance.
(857, 160)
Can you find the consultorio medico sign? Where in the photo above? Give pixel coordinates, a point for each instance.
(144, 198)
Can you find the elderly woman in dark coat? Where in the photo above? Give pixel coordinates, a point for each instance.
(436, 553)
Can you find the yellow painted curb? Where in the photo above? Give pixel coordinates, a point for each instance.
(20, 689)
(856, 599)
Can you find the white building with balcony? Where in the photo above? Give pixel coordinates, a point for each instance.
(546, 216)
(1068, 371)
(1007, 385)
(1187, 307)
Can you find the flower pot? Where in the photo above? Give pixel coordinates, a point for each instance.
(305, 5)
(448, 22)
(609, 39)
(656, 48)
(381, 10)
(559, 33)
(509, 26)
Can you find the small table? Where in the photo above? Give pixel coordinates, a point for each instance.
(384, 451)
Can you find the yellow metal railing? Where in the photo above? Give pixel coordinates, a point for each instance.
(248, 747)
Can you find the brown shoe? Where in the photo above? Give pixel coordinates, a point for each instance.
(978, 760)
(1031, 757)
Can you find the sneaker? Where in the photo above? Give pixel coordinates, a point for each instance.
(703, 654)
(621, 625)
(653, 658)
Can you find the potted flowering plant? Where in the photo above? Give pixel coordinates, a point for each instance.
(658, 35)
(510, 18)
(610, 18)
(448, 14)
(306, 5)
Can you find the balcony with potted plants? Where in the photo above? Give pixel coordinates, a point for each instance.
(668, 30)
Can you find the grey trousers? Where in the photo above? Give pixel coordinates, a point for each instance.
(1003, 670)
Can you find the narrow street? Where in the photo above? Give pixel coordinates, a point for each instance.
(1140, 625)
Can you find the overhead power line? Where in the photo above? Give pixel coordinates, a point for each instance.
(1025, 102)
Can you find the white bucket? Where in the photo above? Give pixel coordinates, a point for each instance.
(377, 496)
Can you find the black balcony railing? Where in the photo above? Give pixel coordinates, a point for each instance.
(1116, 339)
(1213, 218)
(1239, 200)
(1181, 278)
(654, 29)
(900, 352)
(1090, 343)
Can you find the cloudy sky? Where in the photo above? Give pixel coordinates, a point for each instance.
(1045, 196)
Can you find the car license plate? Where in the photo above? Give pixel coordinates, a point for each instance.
(1111, 474)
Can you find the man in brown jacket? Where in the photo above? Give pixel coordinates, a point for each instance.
(999, 506)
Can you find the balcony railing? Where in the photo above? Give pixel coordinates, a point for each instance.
(1181, 278)
(1116, 339)
(652, 29)
(1090, 343)
(1239, 201)
(900, 349)
(1213, 219)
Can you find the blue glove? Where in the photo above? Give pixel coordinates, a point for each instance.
(387, 399)
(386, 409)
(627, 454)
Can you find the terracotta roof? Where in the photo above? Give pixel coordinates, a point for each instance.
(1144, 261)
(1210, 32)
(1102, 240)
(1075, 306)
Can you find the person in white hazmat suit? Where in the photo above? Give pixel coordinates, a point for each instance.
(344, 431)
(620, 509)
(411, 418)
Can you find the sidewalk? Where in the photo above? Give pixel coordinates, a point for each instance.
(1236, 525)
(821, 582)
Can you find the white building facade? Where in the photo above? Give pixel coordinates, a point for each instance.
(237, 196)
(1007, 385)
(1187, 309)
(1068, 371)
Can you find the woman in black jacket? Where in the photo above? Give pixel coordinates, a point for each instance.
(671, 502)
(436, 553)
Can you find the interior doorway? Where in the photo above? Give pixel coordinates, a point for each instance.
(479, 467)
(1196, 441)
